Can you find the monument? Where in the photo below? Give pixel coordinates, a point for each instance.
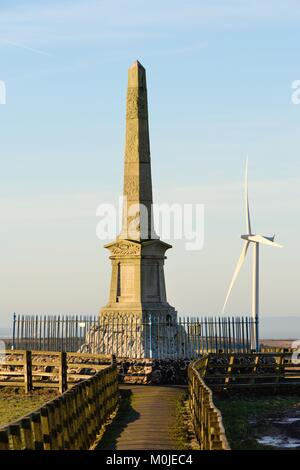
(137, 289)
(137, 282)
(137, 316)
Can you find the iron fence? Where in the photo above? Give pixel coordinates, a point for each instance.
(188, 337)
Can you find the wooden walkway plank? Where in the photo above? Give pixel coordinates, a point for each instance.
(145, 419)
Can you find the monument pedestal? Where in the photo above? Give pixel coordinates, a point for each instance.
(137, 283)
(137, 316)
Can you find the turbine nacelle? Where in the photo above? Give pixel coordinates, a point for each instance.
(261, 239)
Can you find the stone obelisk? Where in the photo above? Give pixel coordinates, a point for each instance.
(137, 287)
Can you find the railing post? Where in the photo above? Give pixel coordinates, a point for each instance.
(113, 360)
(27, 371)
(150, 335)
(63, 384)
(14, 331)
(257, 333)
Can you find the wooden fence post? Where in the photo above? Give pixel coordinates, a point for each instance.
(47, 438)
(37, 430)
(27, 433)
(27, 371)
(4, 440)
(15, 432)
(63, 385)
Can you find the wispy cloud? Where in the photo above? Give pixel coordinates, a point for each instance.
(23, 46)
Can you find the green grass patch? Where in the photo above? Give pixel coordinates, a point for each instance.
(238, 412)
(14, 403)
(179, 430)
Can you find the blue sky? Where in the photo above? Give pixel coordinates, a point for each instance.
(219, 87)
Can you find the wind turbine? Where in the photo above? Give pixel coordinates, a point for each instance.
(256, 240)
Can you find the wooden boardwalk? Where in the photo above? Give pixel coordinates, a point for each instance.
(145, 419)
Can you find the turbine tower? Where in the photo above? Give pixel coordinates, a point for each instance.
(256, 240)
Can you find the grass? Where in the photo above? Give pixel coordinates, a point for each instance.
(238, 411)
(182, 431)
(14, 403)
(179, 430)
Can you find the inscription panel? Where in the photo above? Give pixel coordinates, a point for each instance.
(127, 281)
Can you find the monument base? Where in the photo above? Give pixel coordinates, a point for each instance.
(140, 333)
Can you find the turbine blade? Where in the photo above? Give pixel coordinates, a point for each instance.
(264, 241)
(237, 270)
(248, 222)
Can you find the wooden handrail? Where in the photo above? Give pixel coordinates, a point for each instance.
(224, 371)
(207, 419)
(252, 370)
(28, 369)
(71, 421)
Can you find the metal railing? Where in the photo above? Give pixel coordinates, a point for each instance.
(188, 337)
